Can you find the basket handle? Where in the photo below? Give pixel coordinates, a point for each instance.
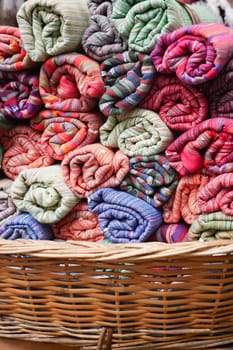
(105, 339)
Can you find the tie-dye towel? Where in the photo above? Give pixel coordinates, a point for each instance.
(196, 53)
(19, 95)
(43, 193)
(13, 56)
(66, 131)
(101, 39)
(80, 224)
(151, 179)
(139, 132)
(128, 78)
(22, 150)
(71, 83)
(217, 195)
(94, 166)
(179, 105)
(7, 207)
(122, 217)
(209, 227)
(207, 145)
(144, 21)
(52, 27)
(24, 226)
(171, 233)
(184, 203)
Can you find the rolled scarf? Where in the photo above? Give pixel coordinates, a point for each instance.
(128, 78)
(179, 105)
(19, 95)
(13, 56)
(63, 132)
(43, 193)
(212, 226)
(94, 166)
(143, 22)
(217, 195)
(151, 179)
(22, 150)
(80, 224)
(207, 145)
(24, 226)
(7, 206)
(184, 202)
(101, 39)
(122, 217)
(171, 233)
(139, 132)
(71, 83)
(52, 27)
(196, 53)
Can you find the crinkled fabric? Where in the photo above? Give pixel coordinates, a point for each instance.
(7, 207)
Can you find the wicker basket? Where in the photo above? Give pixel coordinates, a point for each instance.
(134, 296)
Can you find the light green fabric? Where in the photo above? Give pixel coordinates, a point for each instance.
(212, 226)
(143, 21)
(138, 132)
(43, 193)
(52, 27)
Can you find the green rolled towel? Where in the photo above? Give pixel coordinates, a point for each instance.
(52, 27)
(144, 21)
(43, 193)
(139, 132)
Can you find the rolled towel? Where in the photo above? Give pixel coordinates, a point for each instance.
(171, 233)
(22, 150)
(13, 56)
(179, 105)
(184, 202)
(128, 79)
(63, 132)
(217, 195)
(196, 53)
(94, 166)
(207, 145)
(100, 6)
(79, 224)
(144, 21)
(122, 217)
(71, 83)
(151, 179)
(52, 27)
(139, 132)
(24, 226)
(212, 226)
(43, 193)
(7, 206)
(19, 94)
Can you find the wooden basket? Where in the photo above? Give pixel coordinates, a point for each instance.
(131, 296)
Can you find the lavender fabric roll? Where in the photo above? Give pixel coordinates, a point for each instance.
(171, 233)
(122, 217)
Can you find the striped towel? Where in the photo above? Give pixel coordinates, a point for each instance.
(139, 132)
(122, 217)
(13, 56)
(101, 39)
(52, 27)
(22, 150)
(209, 227)
(217, 195)
(171, 233)
(179, 105)
(196, 53)
(128, 78)
(207, 145)
(43, 193)
(66, 131)
(71, 82)
(7, 207)
(184, 202)
(80, 224)
(24, 226)
(19, 94)
(151, 179)
(144, 21)
(94, 166)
